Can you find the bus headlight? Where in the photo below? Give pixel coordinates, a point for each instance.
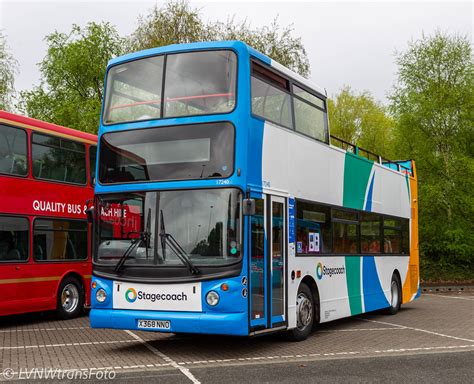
(100, 295)
(212, 298)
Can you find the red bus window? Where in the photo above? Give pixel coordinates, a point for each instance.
(13, 151)
(14, 234)
(58, 159)
(58, 240)
(92, 161)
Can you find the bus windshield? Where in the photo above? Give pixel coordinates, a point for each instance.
(179, 228)
(195, 83)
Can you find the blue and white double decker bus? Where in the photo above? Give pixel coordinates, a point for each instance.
(221, 206)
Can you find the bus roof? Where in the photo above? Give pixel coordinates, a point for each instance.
(237, 45)
(38, 125)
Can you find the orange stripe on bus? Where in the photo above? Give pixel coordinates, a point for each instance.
(44, 130)
(29, 280)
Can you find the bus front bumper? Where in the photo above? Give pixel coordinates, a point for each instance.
(181, 322)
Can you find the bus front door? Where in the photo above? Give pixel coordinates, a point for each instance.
(268, 263)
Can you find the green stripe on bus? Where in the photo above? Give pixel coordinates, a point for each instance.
(353, 284)
(356, 177)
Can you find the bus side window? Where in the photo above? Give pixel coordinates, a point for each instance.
(14, 238)
(55, 239)
(13, 151)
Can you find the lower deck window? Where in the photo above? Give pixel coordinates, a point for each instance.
(370, 233)
(14, 235)
(345, 238)
(321, 229)
(313, 229)
(59, 240)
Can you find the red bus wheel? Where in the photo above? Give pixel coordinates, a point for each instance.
(70, 298)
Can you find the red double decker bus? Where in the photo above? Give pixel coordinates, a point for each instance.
(46, 177)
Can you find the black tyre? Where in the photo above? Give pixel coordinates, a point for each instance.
(395, 296)
(70, 299)
(304, 314)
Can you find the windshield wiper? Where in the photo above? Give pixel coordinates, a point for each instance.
(144, 238)
(167, 238)
(134, 244)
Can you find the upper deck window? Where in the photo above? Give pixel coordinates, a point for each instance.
(278, 99)
(92, 163)
(195, 83)
(270, 96)
(309, 114)
(58, 159)
(13, 151)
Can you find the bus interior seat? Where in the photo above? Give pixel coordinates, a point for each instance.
(19, 165)
(38, 168)
(76, 175)
(70, 250)
(58, 173)
(6, 165)
(14, 254)
(39, 253)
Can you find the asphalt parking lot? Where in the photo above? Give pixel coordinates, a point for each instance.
(429, 340)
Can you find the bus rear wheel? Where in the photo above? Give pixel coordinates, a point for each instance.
(304, 314)
(395, 296)
(70, 299)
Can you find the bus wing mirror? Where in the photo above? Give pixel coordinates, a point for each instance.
(90, 215)
(249, 207)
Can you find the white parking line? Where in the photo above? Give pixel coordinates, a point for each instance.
(66, 344)
(470, 298)
(418, 329)
(300, 356)
(360, 330)
(423, 349)
(169, 360)
(171, 363)
(41, 329)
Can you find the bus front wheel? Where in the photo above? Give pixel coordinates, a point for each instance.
(395, 296)
(70, 298)
(304, 314)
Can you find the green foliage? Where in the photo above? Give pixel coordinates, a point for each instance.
(273, 40)
(73, 73)
(73, 69)
(433, 103)
(177, 22)
(8, 66)
(358, 118)
(173, 23)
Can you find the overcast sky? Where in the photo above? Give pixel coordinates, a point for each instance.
(347, 42)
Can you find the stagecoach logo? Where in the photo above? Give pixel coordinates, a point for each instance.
(319, 271)
(131, 295)
(322, 270)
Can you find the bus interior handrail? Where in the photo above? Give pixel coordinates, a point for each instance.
(356, 150)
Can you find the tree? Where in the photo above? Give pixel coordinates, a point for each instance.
(73, 73)
(433, 102)
(8, 67)
(173, 23)
(177, 22)
(359, 119)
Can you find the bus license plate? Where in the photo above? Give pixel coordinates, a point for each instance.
(154, 324)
